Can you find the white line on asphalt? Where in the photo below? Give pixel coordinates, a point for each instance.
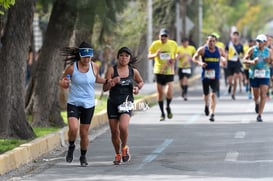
(231, 156)
(193, 118)
(156, 152)
(254, 161)
(240, 135)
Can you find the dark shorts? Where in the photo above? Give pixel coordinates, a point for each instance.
(209, 83)
(163, 79)
(85, 115)
(112, 110)
(233, 67)
(246, 72)
(182, 72)
(256, 82)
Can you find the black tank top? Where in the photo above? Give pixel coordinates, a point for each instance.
(124, 88)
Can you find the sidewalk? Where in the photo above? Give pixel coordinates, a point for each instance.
(29, 152)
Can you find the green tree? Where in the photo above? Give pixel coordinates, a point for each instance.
(67, 16)
(15, 43)
(6, 4)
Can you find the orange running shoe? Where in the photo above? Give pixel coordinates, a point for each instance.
(126, 154)
(117, 159)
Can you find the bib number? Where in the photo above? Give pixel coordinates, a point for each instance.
(164, 56)
(210, 74)
(234, 58)
(186, 71)
(259, 73)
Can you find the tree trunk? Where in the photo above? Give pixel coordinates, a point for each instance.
(45, 97)
(16, 40)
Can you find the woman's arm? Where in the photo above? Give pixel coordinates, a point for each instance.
(64, 82)
(139, 81)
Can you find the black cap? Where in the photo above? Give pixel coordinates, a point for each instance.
(164, 31)
(84, 45)
(124, 49)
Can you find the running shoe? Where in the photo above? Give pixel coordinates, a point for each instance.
(207, 110)
(125, 154)
(259, 118)
(69, 156)
(212, 118)
(233, 97)
(162, 117)
(257, 108)
(117, 159)
(83, 161)
(169, 113)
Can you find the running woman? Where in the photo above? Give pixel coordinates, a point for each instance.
(126, 81)
(80, 77)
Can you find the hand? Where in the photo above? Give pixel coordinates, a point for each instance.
(65, 83)
(115, 80)
(255, 60)
(204, 65)
(135, 90)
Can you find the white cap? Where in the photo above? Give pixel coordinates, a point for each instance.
(261, 38)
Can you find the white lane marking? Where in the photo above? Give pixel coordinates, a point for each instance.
(240, 135)
(193, 118)
(156, 152)
(254, 161)
(231, 156)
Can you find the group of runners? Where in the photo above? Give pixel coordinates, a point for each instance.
(250, 65)
(122, 81)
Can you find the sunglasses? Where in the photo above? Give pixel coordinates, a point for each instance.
(86, 52)
(164, 36)
(259, 41)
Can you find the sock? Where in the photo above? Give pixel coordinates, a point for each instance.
(71, 143)
(161, 106)
(168, 102)
(83, 152)
(185, 89)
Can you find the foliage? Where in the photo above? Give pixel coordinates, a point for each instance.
(6, 5)
(9, 144)
(248, 16)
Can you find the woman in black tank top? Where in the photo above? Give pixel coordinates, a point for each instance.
(122, 77)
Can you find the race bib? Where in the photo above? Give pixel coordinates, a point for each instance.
(186, 71)
(234, 58)
(126, 107)
(165, 56)
(259, 73)
(210, 74)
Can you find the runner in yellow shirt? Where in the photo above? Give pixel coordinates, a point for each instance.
(184, 57)
(163, 52)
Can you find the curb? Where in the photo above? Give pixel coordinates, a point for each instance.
(29, 152)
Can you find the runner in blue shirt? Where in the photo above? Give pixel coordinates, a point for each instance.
(211, 57)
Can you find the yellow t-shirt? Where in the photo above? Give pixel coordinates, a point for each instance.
(189, 51)
(220, 44)
(168, 51)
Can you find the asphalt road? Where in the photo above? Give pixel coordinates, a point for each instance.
(187, 147)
